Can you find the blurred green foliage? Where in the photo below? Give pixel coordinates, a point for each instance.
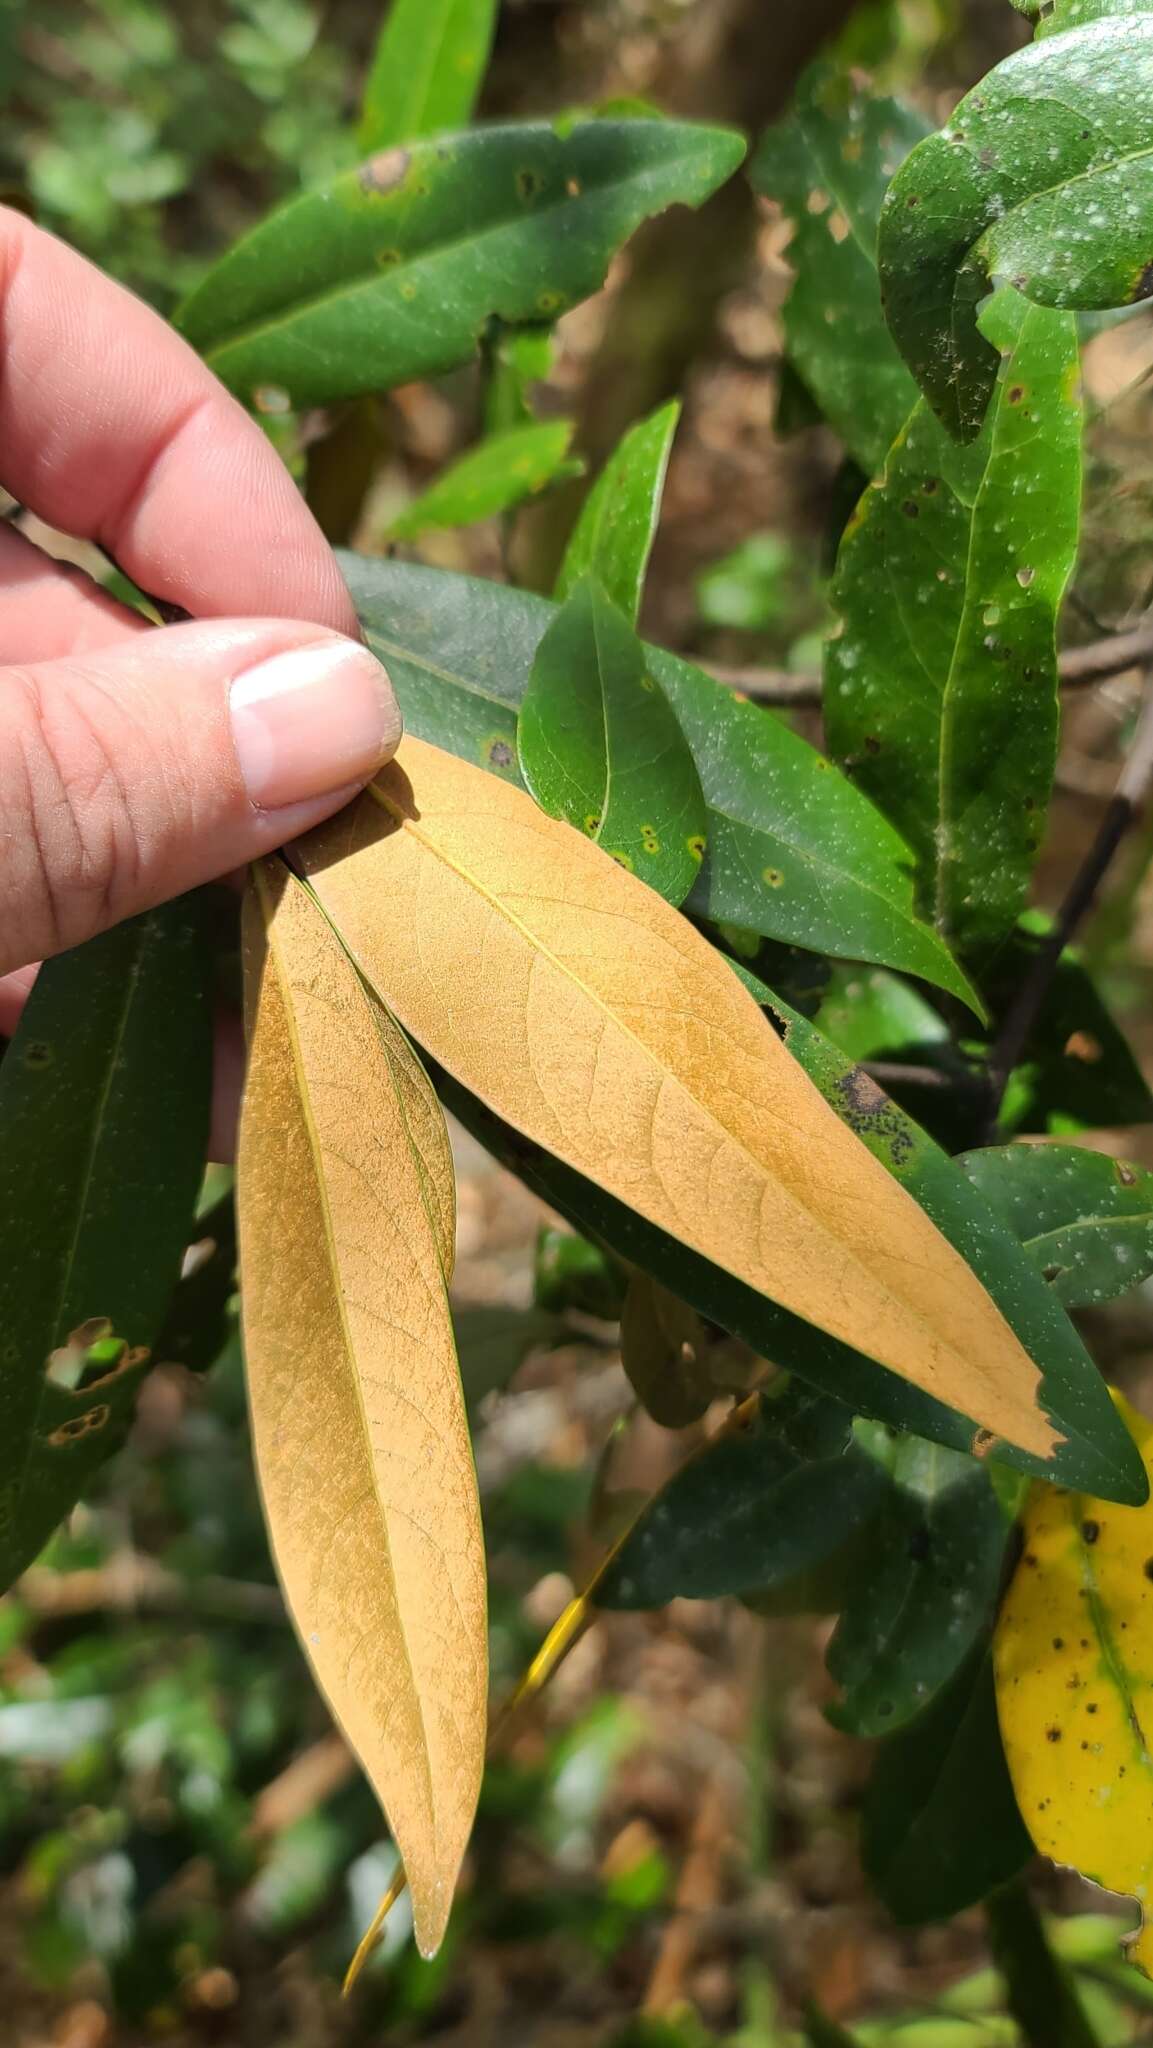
(151, 135)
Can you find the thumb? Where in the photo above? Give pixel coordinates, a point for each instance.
(135, 772)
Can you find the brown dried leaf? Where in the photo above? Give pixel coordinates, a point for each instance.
(346, 1211)
(594, 1018)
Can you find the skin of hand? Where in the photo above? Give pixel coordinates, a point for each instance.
(136, 761)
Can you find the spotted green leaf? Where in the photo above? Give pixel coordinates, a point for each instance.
(497, 474)
(104, 1097)
(427, 69)
(1043, 178)
(935, 1564)
(600, 745)
(793, 850)
(828, 166)
(941, 682)
(1085, 1219)
(939, 1825)
(391, 272)
(755, 1507)
(613, 537)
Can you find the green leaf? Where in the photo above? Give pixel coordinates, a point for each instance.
(201, 1317)
(828, 166)
(497, 474)
(1043, 178)
(1072, 1390)
(941, 686)
(392, 271)
(794, 852)
(871, 1014)
(516, 358)
(600, 745)
(1075, 13)
(753, 1509)
(1040, 1992)
(493, 1343)
(1078, 1072)
(613, 537)
(939, 1825)
(104, 1097)
(427, 69)
(1086, 1220)
(935, 1566)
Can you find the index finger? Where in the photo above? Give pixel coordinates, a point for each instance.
(112, 429)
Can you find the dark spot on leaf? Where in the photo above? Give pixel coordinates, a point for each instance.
(1016, 394)
(81, 1425)
(1143, 288)
(872, 743)
(1058, 1642)
(385, 172)
(387, 257)
(1090, 1706)
(930, 486)
(38, 1054)
(528, 183)
(913, 200)
(1090, 1531)
(696, 846)
(1052, 1735)
(500, 754)
(911, 509)
(1148, 1567)
(1052, 1273)
(773, 877)
(1031, 1560)
(868, 1111)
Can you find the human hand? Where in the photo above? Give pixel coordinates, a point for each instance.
(135, 761)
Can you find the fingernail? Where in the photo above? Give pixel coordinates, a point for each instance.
(310, 721)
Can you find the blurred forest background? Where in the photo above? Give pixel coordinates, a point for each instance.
(666, 1851)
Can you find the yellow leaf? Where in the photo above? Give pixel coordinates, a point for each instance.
(594, 1018)
(346, 1203)
(1073, 1658)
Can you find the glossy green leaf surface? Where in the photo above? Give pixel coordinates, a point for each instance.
(600, 745)
(1043, 178)
(427, 69)
(828, 165)
(500, 472)
(940, 1825)
(104, 1097)
(754, 1508)
(936, 1557)
(391, 271)
(1085, 1219)
(793, 852)
(1072, 1390)
(1076, 13)
(613, 538)
(941, 682)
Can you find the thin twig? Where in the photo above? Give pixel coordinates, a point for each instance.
(1125, 807)
(1079, 668)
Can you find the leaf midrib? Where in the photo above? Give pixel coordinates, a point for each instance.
(375, 280)
(316, 1152)
(537, 947)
